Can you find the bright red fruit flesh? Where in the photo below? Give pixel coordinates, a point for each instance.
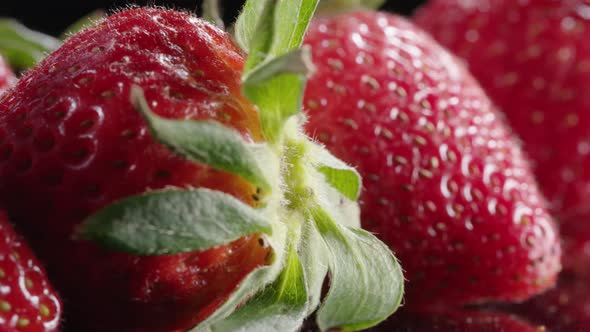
(533, 58)
(445, 185)
(72, 143)
(28, 302)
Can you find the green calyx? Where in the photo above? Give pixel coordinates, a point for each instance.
(307, 207)
(22, 47)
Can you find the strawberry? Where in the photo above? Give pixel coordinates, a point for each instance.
(533, 60)
(457, 321)
(446, 186)
(172, 195)
(28, 302)
(7, 77)
(562, 309)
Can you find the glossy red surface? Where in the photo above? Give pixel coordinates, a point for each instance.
(72, 143)
(28, 302)
(444, 183)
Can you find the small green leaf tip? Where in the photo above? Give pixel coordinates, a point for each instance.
(366, 280)
(212, 13)
(84, 22)
(274, 77)
(339, 175)
(173, 221)
(23, 47)
(277, 87)
(207, 142)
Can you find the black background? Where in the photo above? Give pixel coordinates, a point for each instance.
(52, 16)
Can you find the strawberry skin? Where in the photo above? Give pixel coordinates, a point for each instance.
(445, 185)
(533, 59)
(7, 78)
(72, 143)
(28, 302)
(457, 321)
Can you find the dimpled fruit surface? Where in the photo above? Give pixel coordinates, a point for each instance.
(72, 143)
(445, 184)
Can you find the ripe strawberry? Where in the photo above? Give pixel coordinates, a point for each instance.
(562, 309)
(457, 321)
(445, 185)
(7, 78)
(28, 302)
(533, 59)
(83, 144)
(71, 131)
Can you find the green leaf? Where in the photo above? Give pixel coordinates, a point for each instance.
(294, 62)
(87, 21)
(22, 47)
(314, 258)
(291, 20)
(339, 6)
(254, 282)
(277, 87)
(212, 13)
(281, 306)
(274, 75)
(366, 281)
(173, 221)
(207, 142)
(253, 12)
(339, 175)
(271, 27)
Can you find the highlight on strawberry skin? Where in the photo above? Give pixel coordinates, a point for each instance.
(28, 301)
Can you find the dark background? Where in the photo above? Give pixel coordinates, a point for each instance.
(54, 15)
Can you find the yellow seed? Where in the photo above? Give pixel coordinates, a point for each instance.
(2, 273)
(28, 283)
(425, 173)
(44, 310)
(5, 306)
(336, 64)
(400, 160)
(571, 120)
(537, 117)
(434, 162)
(312, 104)
(420, 140)
(23, 322)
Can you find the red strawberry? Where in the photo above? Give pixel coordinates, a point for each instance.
(74, 145)
(28, 302)
(563, 309)
(457, 321)
(533, 59)
(445, 185)
(7, 78)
